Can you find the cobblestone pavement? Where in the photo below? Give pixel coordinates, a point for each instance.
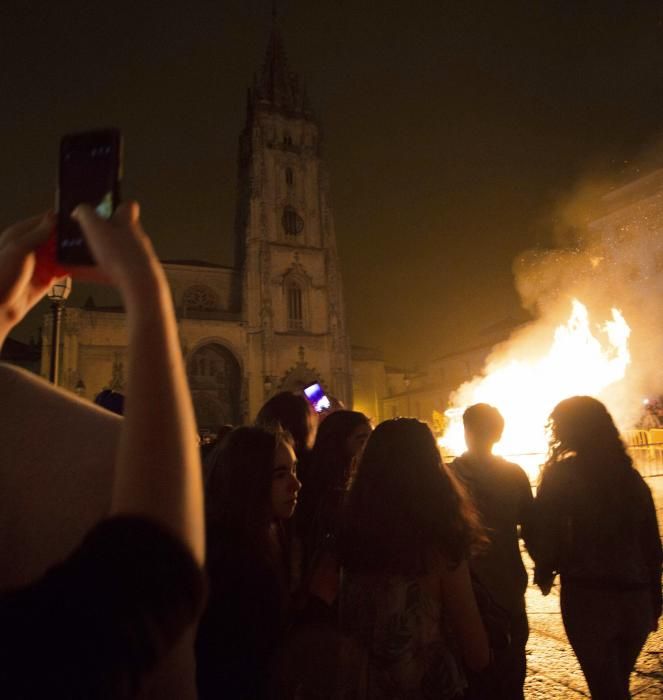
(553, 672)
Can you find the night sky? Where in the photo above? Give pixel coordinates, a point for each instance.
(453, 130)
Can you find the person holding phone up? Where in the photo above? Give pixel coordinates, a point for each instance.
(98, 623)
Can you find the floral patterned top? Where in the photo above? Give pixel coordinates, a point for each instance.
(396, 641)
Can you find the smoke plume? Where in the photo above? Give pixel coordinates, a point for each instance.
(608, 254)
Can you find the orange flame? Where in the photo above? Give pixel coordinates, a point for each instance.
(525, 392)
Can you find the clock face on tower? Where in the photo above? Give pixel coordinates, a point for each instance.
(292, 222)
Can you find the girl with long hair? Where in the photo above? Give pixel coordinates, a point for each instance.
(250, 491)
(595, 526)
(339, 443)
(408, 615)
(293, 413)
(314, 637)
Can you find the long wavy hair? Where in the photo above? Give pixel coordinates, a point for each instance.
(584, 436)
(581, 426)
(330, 465)
(404, 506)
(238, 510)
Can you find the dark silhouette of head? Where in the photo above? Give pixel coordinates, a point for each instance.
(110, 400)
(404, 505)
(335, 432)
(483, 425)
(239, 487)
(331, 463)
(584, 437)
(581, 425)
(293, 413)
(222, 431)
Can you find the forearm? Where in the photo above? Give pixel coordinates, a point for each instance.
(158, 465)
(461, 605)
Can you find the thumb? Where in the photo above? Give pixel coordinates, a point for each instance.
(86, 216)
(127, 213)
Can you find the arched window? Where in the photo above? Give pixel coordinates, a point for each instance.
(287, 139)
(295, 306)
(289, 177)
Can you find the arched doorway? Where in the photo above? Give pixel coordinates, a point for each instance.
(215, 382)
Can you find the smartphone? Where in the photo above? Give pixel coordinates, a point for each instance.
(317, 397)
(89, 172)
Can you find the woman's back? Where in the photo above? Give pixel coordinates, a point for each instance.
(597, 532)
(407, 610)
(595, 525)
(397, 641)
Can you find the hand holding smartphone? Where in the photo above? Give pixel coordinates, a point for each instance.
(90, 170)
(317, 397)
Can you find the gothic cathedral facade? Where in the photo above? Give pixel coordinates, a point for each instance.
(274, 320)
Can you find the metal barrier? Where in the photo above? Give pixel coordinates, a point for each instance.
(646, 448)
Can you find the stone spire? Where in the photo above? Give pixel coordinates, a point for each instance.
(276, 87)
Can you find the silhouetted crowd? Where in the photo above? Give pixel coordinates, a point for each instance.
(309, 556)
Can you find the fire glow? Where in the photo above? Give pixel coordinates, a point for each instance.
(525, 392)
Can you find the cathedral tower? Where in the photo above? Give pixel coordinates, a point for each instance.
(292, 301)
(275, 319)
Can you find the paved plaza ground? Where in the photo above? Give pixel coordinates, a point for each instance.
(553, 672)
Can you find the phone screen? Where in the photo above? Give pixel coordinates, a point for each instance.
(317, 398)
(89, 174)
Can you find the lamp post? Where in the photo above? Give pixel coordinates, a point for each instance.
(58, 294)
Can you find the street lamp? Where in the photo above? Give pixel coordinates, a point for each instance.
(58, 294)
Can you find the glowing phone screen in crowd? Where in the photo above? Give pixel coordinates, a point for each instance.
(317, 398)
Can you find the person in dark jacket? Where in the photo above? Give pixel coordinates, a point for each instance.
(595, 526)
(503, 497)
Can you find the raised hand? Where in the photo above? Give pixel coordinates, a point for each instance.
(22, 282)
(122, 250)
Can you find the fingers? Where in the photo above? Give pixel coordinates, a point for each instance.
(122, 250)
(127, 213)
(19, 229)
(15, 272)
(88, 218)
(17, 262)
(26, 235)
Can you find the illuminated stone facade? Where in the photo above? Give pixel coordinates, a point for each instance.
(273, 321)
